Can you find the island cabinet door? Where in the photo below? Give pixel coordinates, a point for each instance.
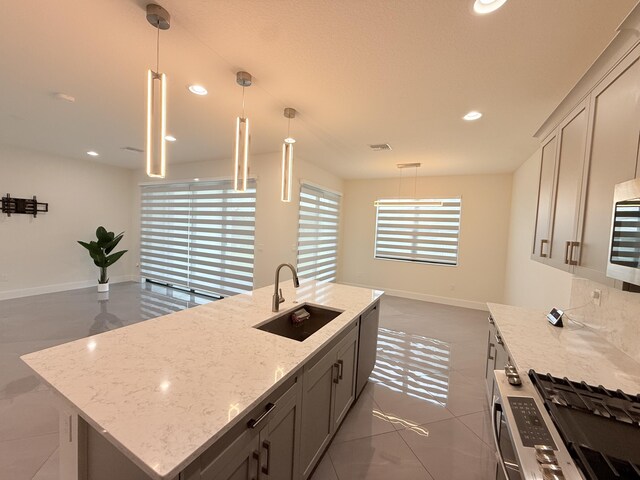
(345, 387)
(280, 438)
(241, 461)
(317, 411)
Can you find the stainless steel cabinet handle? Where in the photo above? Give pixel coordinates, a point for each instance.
(567, 248)
(489, 357)
(571, 260)
(253, 423)
(499, 339)
(337, 377)
(542, 243)
(267, 446)
(341, 368)
(491, 320)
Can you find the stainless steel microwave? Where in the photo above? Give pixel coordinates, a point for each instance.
(624, 247)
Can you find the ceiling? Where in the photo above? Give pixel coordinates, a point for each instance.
(359, 72)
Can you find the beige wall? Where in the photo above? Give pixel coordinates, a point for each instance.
(478, 278)
(529, 283)
(276, 221)
(39, 255)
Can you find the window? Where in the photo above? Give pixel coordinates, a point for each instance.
(318, 233)
(425, 230)
(198, 236)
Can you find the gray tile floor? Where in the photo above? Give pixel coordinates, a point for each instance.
(423, 416)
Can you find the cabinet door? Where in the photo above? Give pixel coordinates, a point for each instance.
(345, 385)
(615, 125)
(491, 360)
(545, 196)
(317, 411)
(367, 346)
(280, 438)
(572, 137)
(241, 461)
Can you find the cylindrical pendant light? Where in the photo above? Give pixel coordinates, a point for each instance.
(287, 158)
(241, 147)
(156, 148)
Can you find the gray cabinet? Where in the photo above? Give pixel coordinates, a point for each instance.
(367, 346)
(612, 158)
(546, 182)
(572, 141)
(328, 390)
(497, 357)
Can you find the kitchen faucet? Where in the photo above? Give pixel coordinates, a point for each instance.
(277, 294)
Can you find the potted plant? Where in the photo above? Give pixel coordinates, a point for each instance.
(100, 252)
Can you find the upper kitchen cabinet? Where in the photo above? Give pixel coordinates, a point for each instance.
(559, 190)
(595, 147)
(612, 158)
(572, 141)
(545, 199)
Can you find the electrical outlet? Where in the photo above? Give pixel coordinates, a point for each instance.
(596, 296)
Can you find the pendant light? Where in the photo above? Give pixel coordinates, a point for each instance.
(408, 202)
(159, 18)
(287, 157)
(241, 147)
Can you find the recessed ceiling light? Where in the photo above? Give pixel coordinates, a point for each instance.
(473, 115)
(170, 138)
(483, 7)
(65, 97)
(196, 179)
(198, 89)
(92, 153)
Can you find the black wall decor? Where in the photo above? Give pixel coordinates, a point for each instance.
(28, 206)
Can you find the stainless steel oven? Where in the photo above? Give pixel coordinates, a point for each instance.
(528, 445)
(624, 246)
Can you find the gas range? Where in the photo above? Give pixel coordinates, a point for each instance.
(551, 428)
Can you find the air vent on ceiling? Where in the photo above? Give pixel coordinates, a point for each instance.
(133, 149)
(379, 147)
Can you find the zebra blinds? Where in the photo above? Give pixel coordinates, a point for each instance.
(199, 236)
(424, 230)
(318, 233)
(625, 245)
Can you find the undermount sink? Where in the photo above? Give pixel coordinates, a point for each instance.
(283, 325)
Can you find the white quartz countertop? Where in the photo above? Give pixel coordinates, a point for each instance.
(574, 351)
(165, 389)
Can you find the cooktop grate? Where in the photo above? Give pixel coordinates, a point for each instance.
(600, 427)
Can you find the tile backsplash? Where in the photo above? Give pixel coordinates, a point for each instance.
(617, 318)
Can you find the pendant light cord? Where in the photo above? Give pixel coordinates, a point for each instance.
(289, 127)
(243, 115)
(415, 183)
(158, 48)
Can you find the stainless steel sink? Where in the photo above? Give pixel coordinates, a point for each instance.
(283, 325)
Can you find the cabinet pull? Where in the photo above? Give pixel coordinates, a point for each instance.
(253, 423)
(341, 368)
(489, 357)
(571, 260)
(567, 248)
(491, 320)
(542, 243)
(256, 457)
(267, 446)
(337, 377)
(499, 339)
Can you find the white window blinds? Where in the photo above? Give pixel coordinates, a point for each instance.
(424, 230)
(318, 233)
(199, 236)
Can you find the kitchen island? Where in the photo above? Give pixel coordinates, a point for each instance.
(169, 394)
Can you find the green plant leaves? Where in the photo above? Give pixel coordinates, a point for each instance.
(100, 251)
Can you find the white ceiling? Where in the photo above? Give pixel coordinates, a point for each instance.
(358, 71)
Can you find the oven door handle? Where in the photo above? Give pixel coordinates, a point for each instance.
(495, 409)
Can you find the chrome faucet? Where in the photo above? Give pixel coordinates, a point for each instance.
(277, 294)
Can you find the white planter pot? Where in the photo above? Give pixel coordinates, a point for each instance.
(103, 287)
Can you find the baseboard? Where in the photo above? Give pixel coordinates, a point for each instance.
(456, 302)
(61, 287)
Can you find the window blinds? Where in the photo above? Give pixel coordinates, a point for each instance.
(198, 236)
(318, 233)
(424, 230)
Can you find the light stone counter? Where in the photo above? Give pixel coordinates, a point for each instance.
(574, 351)
(164, 390)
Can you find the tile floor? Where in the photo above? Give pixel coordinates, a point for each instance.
(424, 414)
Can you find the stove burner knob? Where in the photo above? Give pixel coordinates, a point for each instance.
(551, 472)
(514, 379)
(546, 449)
(546, 458)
